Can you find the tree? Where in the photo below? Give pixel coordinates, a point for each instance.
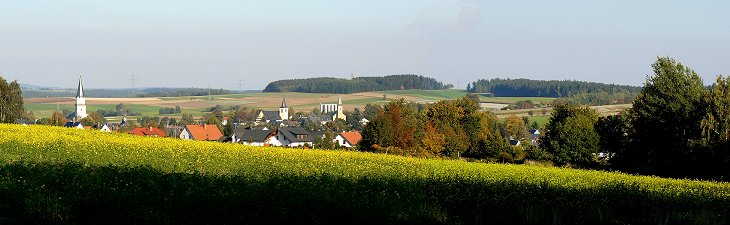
(665, 121)
(186, 119)
(571, 137)
(228, 129)
(11, 101)
(120, 107)
(57, 119)
(326, 141)
(715, 125)
(516, 128)
(432, 142)
(612, 131)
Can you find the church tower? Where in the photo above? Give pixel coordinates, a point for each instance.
(340, 113)
(80, 102)
(283, 110)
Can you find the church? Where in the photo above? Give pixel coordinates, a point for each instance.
(332, 112)
(274, 116)
(80, 112)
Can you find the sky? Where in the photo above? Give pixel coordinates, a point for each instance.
(216, 43)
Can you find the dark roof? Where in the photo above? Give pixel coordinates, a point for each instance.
(283, 103)
(271, 115)
(291, 134)
(317, 133)
(328, 117)
(80, 91)
(253, 135)
(72, 124)
(71, 116)
(513, 142)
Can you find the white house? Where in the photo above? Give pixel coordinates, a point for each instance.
(255, 137)
(348, 139)
(294, 137)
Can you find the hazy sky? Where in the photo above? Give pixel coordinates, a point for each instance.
(184, 43)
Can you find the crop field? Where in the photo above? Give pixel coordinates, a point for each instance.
(54, 175)
(195, 105)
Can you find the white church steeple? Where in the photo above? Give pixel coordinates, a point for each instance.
(80, 102)
(283, 110)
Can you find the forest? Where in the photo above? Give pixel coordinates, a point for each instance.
(355, 85)
(546, 88)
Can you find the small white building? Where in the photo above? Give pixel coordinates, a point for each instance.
(348, 139)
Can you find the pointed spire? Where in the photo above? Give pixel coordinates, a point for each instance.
(80, 91)
(339, 102)
(283, 103)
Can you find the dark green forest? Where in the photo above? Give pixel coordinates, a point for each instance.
(546, 88)
(355, 85)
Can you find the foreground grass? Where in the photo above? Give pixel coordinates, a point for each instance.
(57, 175)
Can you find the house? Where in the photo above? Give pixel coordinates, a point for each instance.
(148, 132)
(515, 142)
(103, 128)
(255, 137)
(294, 137)
(225, 120)
(203, 132)
(274, 116)
(348, 139)
(77, 125)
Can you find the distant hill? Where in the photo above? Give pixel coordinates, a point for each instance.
(355, 85)
(546, 88)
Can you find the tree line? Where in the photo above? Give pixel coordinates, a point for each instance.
(444, 129)
(355, 85)
(545, 88)
(175, 92)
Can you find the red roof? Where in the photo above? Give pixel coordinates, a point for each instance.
(148, 131)
(204, 132)
(353, 137)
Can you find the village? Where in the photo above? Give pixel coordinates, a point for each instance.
(276, 128)
(286, 132)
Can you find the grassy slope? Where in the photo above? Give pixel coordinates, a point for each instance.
(50, 174)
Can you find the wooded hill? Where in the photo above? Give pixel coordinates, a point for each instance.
(354, 85)
(545, 88)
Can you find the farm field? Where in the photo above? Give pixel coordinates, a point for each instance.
(44, 107)
(55, 175)
(195, 105)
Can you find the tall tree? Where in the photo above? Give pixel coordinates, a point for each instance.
(665, 120)
(11, 101)
(571, 137)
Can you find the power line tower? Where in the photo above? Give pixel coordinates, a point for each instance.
(240, 85)
(132, 92)
(209, 92)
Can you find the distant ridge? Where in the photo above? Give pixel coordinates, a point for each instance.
(355, 85)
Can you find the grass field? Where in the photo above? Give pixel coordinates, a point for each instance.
(53, 175)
